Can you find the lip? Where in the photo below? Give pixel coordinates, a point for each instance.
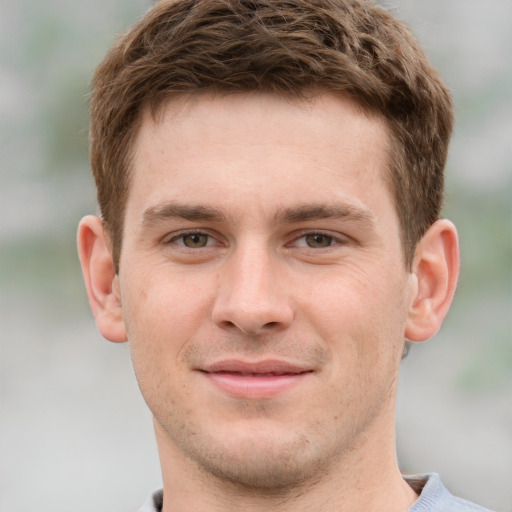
(255, 379)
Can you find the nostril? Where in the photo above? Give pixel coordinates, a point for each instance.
(252, 319)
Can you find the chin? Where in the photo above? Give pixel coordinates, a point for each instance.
(267, 461)
(262, 466)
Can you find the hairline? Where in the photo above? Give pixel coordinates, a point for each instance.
(156, 110)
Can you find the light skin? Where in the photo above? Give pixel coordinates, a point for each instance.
(264, 293)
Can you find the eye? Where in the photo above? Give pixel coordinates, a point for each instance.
(193, 240)
(315, 241)
(318, 240)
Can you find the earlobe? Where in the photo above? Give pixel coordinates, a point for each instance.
(435, 272)
(101, 281)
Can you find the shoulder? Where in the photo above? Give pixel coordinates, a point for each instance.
(435, 497)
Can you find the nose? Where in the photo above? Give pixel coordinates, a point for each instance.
(252, 298)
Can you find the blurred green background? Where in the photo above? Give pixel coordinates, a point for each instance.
(74, 432)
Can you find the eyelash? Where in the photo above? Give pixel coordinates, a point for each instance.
(181, 236)
(333, 240)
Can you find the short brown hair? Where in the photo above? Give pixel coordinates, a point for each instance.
(295, 48)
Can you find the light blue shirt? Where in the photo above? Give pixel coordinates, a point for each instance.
(433, 497)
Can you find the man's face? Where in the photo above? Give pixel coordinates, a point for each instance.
(263, 285)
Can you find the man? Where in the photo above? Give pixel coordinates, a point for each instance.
(270, 177)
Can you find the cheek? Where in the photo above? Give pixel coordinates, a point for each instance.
(360, 312)
(163, 311)
(163, 302)
(344, 295)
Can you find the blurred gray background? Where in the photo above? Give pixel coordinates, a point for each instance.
(74, 432)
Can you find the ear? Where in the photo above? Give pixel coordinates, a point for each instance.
(100, 277)
(436, 267)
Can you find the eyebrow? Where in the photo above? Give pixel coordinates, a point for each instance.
(302, 213)
(324, 211)
(164, 212)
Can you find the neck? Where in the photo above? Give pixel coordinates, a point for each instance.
(365, 478)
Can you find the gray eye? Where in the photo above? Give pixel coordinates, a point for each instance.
(318, 241)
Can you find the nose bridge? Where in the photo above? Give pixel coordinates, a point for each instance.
(250, 297)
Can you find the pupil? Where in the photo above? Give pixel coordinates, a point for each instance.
(195, 240)
(319, 240)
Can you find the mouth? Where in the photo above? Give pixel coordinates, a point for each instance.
(255, 380)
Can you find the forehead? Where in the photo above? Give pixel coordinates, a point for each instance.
(270, 147)
(250, 110)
